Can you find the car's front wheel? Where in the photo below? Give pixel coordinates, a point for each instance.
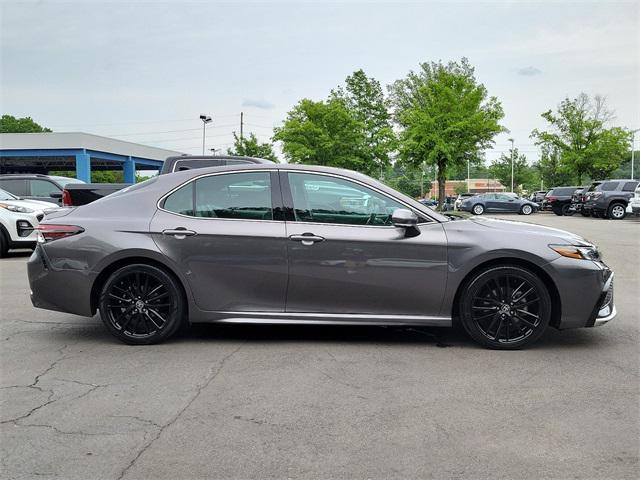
(505, 307)
(526, 210)
(141, 304)
(478, 209)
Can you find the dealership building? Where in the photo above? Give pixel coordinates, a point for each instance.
(78, 152)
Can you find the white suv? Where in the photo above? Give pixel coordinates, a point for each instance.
(18, 219)
(634, 203)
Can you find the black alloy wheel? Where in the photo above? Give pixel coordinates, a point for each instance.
(505, 307)
(141, 304)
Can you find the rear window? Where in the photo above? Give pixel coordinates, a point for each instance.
(609, 186)
(14, 185)
(629, 186)
(564, 191)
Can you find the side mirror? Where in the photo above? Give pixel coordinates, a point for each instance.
(404, 218)
(55, 194)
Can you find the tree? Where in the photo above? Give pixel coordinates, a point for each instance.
(251, 147)
(579, 135)
(445, 116)
(363, 96)
(11, 124)
(323, 133)
(523, 174)
(406, 179)
(551, 170)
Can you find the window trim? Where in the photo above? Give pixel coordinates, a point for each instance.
(288, 200)
(276, 206)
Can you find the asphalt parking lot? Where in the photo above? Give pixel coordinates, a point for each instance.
(233, 401)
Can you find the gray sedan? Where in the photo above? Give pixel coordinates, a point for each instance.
(498, 203)
(299, 244)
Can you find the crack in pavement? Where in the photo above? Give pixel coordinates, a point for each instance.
(213, 373)
(34, 384)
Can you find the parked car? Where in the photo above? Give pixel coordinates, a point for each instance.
(609, 198)
(635, 201)
(538, 197)
(558, 200)
(82, 194)
(577, 201)
(18, 219)
(45, 188)
(461, 198)
(498, 203)
(429, 202)
(273, 243)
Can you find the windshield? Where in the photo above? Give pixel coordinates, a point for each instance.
(7, 196)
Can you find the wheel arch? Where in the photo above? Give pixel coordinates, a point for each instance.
(556, 305)
(122, 262)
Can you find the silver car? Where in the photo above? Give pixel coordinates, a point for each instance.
(277, 243)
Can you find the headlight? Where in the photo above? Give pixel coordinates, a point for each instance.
(15, 208)
(589, 252)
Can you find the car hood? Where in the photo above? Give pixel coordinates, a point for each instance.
(32, 204)
(529, 229)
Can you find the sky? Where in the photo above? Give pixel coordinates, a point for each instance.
(145, 71)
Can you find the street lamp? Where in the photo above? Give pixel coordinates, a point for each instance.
(214, 150)
(205, 119)
(511, 140)
(633, 149)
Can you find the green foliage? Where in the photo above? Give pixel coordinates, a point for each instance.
(11, 124)
(324, 133)
(525, 177)
(461, 188)
(364, 98)
(100, 176)
(445, 116)
(579, 136)
(406, 179)
(551, 170)
(251, 147)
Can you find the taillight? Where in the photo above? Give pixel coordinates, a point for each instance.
(48, 232)
(551, 199)
(66, 198)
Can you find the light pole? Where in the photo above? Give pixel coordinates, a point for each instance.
(511, 140)
(214, 150)
(468, 173)
(633, 149)
(205, 119)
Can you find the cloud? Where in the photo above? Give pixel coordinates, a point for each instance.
(257, 103)
(529, 71)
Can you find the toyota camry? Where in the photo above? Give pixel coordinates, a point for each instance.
(277, 243)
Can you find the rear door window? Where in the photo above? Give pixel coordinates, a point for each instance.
(609, 186)
(14, 185)
(629, 186)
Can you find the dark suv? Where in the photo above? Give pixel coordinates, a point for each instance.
(558, 200)
(46, 188)
(609, 198)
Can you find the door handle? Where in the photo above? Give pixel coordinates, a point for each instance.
(307, 239)
(179, 232)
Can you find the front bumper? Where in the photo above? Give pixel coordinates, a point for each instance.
(605, 309)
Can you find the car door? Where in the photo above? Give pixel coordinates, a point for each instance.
(224, 231)
(345, 257)
(491, 203)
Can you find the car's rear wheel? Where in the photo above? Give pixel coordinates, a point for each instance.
(566, 210)
(585, 213)
(557, 211)
(141, 304)
(478, 209)
(505, 307)
(526, 210)
(617, 211)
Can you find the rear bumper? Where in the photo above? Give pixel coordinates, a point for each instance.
(59, 289)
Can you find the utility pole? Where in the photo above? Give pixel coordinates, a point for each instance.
(241, 125)
(633, 149)
(511, 140)
(468, 174)
(205, 119)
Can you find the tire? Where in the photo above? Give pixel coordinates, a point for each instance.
(595, 213)
(4, 245)
(585, 213)
(526, 210)
(617, 211)
(501, 289)
(141, 304)
(565, 210)
(557, 211)
(478, 209)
